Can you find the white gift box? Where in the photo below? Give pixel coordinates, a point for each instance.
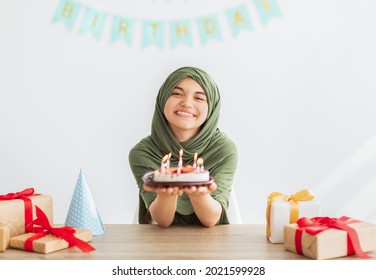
(280, 216)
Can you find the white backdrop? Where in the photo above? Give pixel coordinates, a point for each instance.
(299, 98)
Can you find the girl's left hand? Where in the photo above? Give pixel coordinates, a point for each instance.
(200, 190)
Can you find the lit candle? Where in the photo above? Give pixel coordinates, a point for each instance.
(180, 164)
(168, 161)
(200, 165)
(163, 168)
(195, 161)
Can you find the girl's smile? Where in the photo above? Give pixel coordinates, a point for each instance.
(185, 114)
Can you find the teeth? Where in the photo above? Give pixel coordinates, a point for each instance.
(185, 114)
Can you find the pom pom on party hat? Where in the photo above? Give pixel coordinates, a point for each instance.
(82, 211)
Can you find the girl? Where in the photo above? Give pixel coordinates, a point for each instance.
(186, 117)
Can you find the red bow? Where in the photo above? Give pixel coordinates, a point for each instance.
(66, 233)
(10, 196)
(24, 195)
(316, 225)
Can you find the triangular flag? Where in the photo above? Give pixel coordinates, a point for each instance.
(82, 211)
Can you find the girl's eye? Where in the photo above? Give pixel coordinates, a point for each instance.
(176, 94)
(199, 98)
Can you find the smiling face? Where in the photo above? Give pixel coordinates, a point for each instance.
(186, 109)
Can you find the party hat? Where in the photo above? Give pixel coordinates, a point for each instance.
(82, 211)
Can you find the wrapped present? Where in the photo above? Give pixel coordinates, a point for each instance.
(327, 238)
(283, 210)
(17, 211)
(47, 239)
(48, 243)
(4, 237)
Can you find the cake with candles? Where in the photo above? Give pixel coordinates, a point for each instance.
(189, 173)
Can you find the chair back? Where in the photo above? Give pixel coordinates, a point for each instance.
(233, 211)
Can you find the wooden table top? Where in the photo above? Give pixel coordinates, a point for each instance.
(151, 242)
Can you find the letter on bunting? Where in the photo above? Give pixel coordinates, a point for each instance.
(180, 33)
(153, 33)
(239, 19)
(208, 28)
(122, 29)
(93, 22)
(66, 13)
(267, 9)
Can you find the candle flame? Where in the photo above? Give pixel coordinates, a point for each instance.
(181, 153)
(165, 158)
(200, 161)
(169, 156)
(195, 157)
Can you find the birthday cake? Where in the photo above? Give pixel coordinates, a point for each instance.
(188, 173)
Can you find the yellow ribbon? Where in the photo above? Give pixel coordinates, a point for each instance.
(302, 195)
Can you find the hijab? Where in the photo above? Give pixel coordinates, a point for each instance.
(217, 150)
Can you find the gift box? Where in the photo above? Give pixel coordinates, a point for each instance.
(283, 210)
(47, 239)
(17, 210)
(4, 237)
(327, 238)
(48, 243)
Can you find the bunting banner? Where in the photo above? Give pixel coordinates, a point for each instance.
(164, 33)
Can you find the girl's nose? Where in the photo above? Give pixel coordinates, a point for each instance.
(186, 102)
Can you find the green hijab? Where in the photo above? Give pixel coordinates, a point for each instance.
(217, 150)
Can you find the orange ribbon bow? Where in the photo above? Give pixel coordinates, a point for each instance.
(302, 195)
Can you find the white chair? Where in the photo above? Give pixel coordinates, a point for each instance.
(233, 210)
(135, 216)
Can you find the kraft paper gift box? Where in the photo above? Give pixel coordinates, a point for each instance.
(320, 241)
(49, 243)
(47, 239)
(4, 237)
(18, 208)
(283, 210)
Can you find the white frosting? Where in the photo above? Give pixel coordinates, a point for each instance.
(184, 177)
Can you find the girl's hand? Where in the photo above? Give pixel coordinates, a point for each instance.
(164, 191)
(200, 190)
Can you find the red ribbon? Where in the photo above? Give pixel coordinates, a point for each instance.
(66, 233)
(24, 195)
(314, 226)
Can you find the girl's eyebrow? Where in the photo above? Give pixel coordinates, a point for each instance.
(197, 92)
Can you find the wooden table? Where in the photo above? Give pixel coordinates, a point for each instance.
(151, 242)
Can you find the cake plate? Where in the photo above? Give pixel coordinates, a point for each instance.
(148, 179)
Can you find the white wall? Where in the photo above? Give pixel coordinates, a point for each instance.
(298, 99)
